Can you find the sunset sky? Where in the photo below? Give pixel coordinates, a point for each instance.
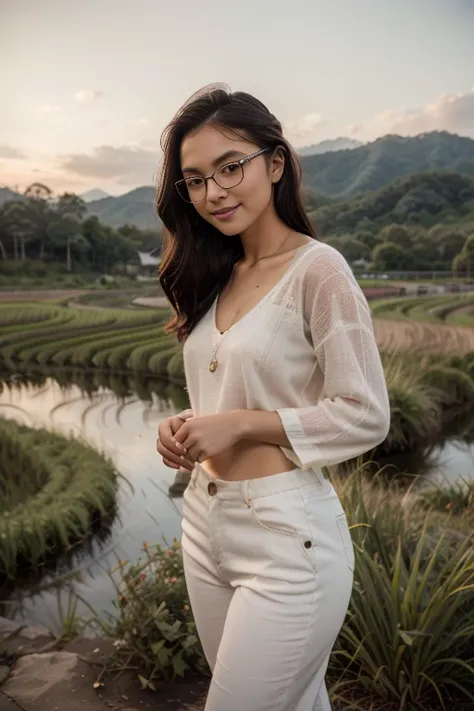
(88, 86)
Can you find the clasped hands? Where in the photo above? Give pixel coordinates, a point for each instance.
(184, 439)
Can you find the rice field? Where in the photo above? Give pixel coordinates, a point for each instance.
(427, 324)
(56, 336)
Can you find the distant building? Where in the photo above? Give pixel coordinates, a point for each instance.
(149, 262)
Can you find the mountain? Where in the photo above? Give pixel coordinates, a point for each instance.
(332, 144)
(95, 194)
(337, 175)
(344, 173)
(423, 199)
(136, 208)
(6, 194)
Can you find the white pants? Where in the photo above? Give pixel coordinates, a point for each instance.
(269, 569)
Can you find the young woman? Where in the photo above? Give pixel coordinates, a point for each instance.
(284, 377)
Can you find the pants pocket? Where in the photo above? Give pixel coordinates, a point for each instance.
(284, 516)
(346, 539)
(267, 519)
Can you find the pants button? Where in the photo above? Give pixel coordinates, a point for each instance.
(212, 488)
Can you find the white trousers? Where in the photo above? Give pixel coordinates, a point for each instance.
(269, 569)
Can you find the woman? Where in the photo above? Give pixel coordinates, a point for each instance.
(284, 377)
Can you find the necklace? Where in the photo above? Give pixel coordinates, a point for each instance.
(214, 362)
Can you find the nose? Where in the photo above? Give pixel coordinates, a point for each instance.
(214, 191)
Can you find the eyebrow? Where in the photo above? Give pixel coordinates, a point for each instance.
(225, 156)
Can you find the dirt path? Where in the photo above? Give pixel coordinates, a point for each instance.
(153, 302)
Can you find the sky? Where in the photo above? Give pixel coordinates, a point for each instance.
(87, 87)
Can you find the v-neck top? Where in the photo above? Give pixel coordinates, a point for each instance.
(306, 350)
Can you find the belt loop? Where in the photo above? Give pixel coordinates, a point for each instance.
(194, 475)
(245, 490)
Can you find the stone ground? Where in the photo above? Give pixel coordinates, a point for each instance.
(37, 676)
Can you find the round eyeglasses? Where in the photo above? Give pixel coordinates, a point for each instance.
(194, 189)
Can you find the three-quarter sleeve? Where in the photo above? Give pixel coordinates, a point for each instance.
(352, 416)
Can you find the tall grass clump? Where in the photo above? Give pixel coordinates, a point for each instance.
(415, 409)
(408, 640)
(453, 386)
(53, 491)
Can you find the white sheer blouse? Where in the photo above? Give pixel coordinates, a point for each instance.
(307, 350)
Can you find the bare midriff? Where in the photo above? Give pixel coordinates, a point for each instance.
(248, 460)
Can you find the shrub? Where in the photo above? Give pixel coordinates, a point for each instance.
(457, 498)
(153, 627)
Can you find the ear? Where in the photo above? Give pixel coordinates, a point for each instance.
(277, 164)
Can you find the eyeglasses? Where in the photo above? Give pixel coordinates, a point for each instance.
(228, 176)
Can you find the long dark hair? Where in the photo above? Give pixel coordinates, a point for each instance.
(197, 262)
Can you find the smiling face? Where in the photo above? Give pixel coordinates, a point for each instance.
(230, 210)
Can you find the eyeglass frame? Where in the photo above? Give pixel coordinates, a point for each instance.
(240, 161)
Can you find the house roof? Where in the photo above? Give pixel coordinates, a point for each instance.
(148, 259)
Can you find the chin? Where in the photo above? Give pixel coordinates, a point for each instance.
(232, 228)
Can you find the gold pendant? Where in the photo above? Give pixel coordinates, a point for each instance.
(213, 364)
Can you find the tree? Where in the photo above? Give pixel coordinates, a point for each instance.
(350, 247)
(464, 262)
(391, 257)
(398, 234)
(71, 204)
(19, 227)
(39, 201)
(448, 241)
(65, 231)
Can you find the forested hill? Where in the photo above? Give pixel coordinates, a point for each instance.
(346, 173)
(424, 199)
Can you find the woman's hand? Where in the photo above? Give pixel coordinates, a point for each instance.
(166, 444)
(204, 437)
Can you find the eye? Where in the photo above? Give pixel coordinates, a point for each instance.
(230, 168)
(194, 182)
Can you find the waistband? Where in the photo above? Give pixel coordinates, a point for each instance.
(262, 486)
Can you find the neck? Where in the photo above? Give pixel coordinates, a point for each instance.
(264, 236)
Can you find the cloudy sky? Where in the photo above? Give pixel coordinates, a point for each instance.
(88, 86)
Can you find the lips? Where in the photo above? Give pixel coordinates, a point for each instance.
(225, 211)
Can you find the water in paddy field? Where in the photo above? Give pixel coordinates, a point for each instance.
(120, 416)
